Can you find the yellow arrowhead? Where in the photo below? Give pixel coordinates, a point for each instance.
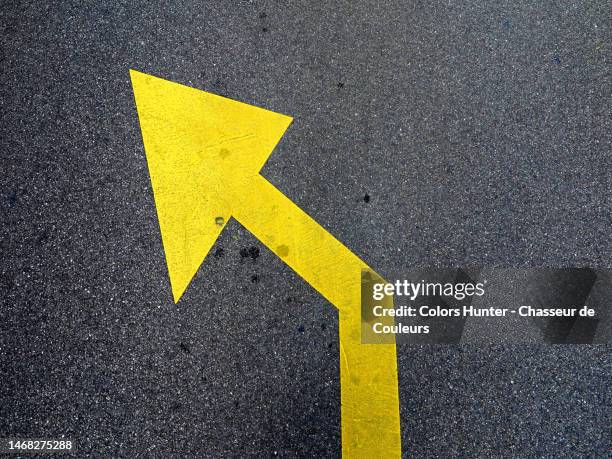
(198, 146)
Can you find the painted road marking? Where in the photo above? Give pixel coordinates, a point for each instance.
(204, 154)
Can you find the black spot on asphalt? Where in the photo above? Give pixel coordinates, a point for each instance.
(323, 327)
(264, 29)
(175, 406)
(290, 299)
(185, 348)
(301, 329)
(42, 238)
(219, 252)
(12, 199)
(557, 60)
(340, 84)
(249, 252)
(253, 252)
(254, 278)
(7, 283)
(366, 198)
(263, 15)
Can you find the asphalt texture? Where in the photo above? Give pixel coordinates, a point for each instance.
(469, 133)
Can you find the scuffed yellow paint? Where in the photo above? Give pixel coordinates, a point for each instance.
(204, 154)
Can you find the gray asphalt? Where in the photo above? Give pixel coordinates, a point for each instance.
(480, 131)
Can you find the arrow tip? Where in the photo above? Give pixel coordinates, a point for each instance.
(198, 145)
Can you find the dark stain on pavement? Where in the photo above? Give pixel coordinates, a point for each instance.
(12, 199)
(249, 252)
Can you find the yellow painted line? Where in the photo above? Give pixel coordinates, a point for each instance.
(204, 154)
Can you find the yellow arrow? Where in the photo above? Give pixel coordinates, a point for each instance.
(204, 154)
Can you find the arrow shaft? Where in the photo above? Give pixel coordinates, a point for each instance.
(368, 372)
